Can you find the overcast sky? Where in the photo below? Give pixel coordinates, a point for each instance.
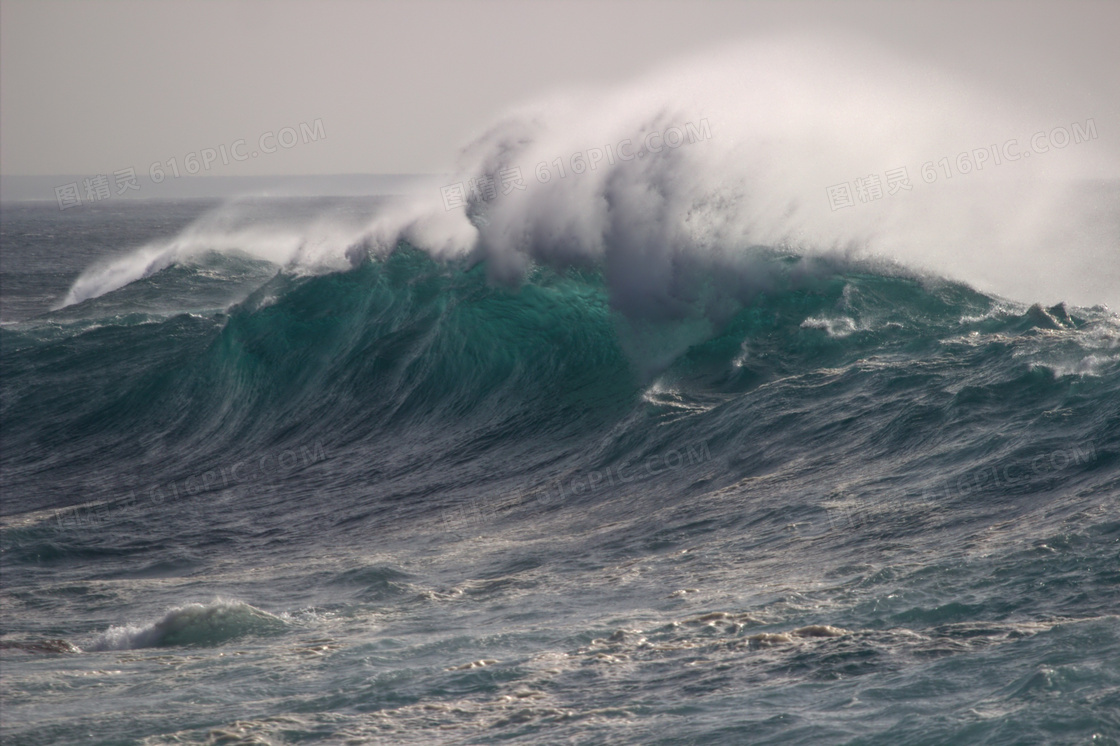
(398, 87)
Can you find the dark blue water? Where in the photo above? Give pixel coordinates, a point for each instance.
(395, 502)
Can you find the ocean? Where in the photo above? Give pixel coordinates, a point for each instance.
(390, 496)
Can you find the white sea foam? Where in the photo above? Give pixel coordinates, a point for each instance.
(836, 328)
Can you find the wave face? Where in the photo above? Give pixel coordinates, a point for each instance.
(433, 357)
(664, 453)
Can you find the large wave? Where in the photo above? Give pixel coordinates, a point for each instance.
(432, 358)
(543, 326)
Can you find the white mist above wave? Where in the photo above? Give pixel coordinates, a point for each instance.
(316, 245)
(761, 132)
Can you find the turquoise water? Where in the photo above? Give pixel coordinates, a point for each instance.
(841, 502)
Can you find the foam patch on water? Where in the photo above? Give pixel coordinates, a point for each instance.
(837, 328)
(192, 624)
(1090, 365)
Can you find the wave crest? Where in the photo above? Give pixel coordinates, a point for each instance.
(192, 624)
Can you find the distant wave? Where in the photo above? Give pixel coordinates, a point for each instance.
(192, 624)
